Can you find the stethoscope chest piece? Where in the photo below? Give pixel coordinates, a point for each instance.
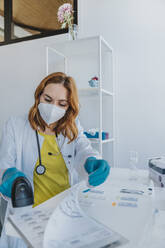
(40, 169)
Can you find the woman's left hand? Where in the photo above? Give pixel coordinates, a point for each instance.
(98, 170)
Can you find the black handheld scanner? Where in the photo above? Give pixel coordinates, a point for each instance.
(22, 193)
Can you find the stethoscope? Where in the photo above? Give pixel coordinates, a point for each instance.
(40, 169)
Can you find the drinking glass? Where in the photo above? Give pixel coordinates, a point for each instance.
(133, 162)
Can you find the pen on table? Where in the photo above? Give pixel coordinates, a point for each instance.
(93, 191)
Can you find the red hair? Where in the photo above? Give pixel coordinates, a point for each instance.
(65, 125)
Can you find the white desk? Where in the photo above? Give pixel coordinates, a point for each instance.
(118, 222)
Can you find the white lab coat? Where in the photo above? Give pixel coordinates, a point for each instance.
(18, 148)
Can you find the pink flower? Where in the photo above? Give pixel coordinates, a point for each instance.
(64, 12)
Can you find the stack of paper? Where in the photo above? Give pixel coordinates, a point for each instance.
(65, 226)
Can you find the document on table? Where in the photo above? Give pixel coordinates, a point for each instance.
(70, 227)
(65, 226)
(31, 225)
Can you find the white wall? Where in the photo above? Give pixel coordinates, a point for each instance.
(22, 67)
(136, 31)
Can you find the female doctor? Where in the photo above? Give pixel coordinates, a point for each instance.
(48, 146)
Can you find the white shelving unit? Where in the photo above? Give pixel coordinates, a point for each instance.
(83, 59)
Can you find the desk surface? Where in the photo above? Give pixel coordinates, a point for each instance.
(119, 222)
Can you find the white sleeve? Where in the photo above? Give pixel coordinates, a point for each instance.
(83, 150)
(7, 148)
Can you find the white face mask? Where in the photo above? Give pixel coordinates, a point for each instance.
(50, 113)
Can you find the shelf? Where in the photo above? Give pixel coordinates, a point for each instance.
(93, 92)
(103, 141)
(88, 45)
(83, 59)
(106, 92)
(107, 141)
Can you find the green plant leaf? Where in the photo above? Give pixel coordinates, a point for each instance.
(63, 25)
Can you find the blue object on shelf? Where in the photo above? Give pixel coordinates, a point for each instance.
(105, 135)
(93, 82)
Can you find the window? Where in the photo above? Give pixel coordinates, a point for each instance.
(30, 19)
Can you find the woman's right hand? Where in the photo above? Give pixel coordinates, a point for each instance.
(8, 178)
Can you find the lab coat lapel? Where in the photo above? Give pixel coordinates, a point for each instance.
(60, 141)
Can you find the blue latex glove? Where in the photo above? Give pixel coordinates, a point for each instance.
(98, 170)
(7, 180)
